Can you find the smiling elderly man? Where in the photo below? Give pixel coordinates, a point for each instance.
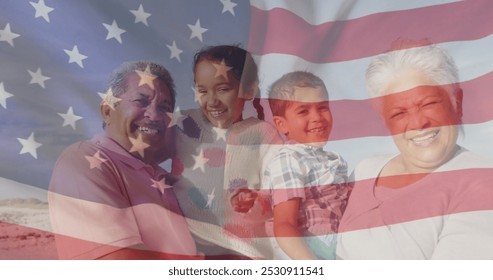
(108, 196)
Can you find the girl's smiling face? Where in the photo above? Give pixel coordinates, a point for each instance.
(219, 93)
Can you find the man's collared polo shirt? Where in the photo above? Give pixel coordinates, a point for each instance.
(103, 199)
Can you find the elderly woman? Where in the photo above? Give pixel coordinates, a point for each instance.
(433, 200)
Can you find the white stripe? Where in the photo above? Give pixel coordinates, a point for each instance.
(355, 150)
(13, 189)
(320, 11)
(470, 231)
(346, 80)
(477, 138)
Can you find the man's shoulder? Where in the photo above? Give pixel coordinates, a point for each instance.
(85, 152)
(84, 165)
(80, 148)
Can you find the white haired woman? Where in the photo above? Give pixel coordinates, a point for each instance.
(434, 199)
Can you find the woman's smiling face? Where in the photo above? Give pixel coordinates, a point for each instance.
(422, 119)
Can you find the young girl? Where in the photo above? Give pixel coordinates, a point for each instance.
(219, 152)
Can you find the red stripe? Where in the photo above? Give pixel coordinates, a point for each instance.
(454, 192)
(281, 31)
(19, 242)
(478, 100)
(24, 243)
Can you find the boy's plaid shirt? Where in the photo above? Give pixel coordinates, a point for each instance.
(317, 177)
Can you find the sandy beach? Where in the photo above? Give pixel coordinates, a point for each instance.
(25, 231)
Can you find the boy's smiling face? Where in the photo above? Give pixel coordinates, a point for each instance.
(307, 118)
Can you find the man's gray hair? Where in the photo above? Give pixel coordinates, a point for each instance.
(118, 80)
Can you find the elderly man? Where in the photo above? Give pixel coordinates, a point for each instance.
(108, 196)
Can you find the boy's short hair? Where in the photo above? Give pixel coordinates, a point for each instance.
(281, 92)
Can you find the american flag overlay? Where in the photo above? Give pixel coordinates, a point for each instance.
(56, 58)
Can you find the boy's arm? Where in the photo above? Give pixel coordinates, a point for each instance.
(287, 233)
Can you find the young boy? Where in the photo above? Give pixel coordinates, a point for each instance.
(307, 184)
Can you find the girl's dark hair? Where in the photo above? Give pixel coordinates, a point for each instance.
(243, 66)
